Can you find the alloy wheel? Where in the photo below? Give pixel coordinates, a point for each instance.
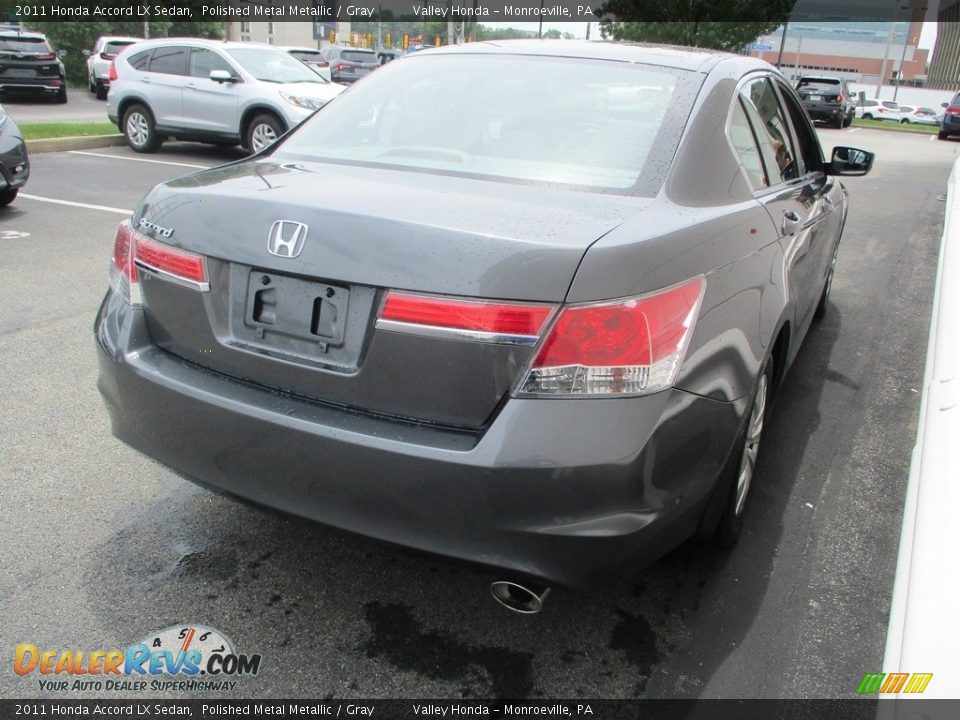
(751, 448)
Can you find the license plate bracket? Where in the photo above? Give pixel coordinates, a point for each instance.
(280, 306)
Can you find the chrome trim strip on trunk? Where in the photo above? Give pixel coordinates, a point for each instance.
(457, 333)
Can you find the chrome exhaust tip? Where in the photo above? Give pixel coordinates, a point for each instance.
(523, 599)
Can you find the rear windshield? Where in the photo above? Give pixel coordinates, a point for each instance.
(24, 44)
(115, 46)
(358, 56)
(588, 123)
(822, 85)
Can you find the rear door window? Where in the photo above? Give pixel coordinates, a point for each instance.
(745, 143)
(140, 60)
(169, 60)
(773, 133)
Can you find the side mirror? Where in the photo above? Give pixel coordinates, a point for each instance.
(850, 161)
(86, 53)
(222, 76)
(61, 54)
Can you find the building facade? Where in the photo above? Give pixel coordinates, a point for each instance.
(945, 66)
(847, 41)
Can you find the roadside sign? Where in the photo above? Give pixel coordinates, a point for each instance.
(760, 46)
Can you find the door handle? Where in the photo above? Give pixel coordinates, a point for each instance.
(828, 202)
(190, 86)
(791, 223)
(145, 80)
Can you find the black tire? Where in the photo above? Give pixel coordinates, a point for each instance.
(91, 85)
(100, 91)
(942, 135)
(821, 310)
(743, 459)
(867, 116)
(62, 95)
(905, 121)
(259, 131)
(139, 129)
(838, 123)
(8, 196)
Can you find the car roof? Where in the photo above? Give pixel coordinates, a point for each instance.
(203, 42)
(684, 58)
(297, 48)
(17, 32)
(114, 38)
(820, 78)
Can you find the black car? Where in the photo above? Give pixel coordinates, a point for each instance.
(350, 64)
(828, 99)
(14, 165)
(29, 64)
(524, 304)
(950, 122)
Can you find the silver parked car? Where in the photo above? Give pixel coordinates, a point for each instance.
(224, 93)
(105, 50)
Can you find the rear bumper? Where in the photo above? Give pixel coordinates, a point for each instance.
(566, 491)
(825, 112)
(40, 85)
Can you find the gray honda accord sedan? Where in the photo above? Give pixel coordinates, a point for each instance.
(524, 304)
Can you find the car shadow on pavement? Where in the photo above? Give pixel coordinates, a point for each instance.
(336, 615)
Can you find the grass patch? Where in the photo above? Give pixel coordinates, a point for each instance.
(43, 131)
(892, 125)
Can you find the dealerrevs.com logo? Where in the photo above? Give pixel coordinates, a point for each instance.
(178, 658)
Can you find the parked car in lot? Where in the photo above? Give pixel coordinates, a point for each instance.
(878, 110)
(211, 91)
(523, 304)
(312, 58)
(828, 99)
(912, 114)
(950, 120)
(99, 59)
(348, 65)
(29, 64)
(14, 163)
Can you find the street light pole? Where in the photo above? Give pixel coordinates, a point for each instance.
(903, 55)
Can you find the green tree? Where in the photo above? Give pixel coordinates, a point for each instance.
(697, 23)
(77, 35)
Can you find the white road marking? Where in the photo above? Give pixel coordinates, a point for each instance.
(854, 130)
(136, 159)
(87, 206)
(932, 138)
(13, 235)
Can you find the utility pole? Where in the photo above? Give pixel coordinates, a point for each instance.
(146, 29)
(886, 54)
(783, 40)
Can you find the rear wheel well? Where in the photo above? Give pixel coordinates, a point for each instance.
(125, 105)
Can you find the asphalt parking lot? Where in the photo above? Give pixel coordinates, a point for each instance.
(103, 546)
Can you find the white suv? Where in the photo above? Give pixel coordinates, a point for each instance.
(211, 91)
(105, 49)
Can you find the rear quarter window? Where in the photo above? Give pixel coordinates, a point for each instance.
(140, 60)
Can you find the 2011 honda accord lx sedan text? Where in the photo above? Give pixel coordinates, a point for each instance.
(523, 304)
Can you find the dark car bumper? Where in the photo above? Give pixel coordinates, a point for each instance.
(950, 124)
(14, 163)
(31, 85)
(567, 491)
(826, 111)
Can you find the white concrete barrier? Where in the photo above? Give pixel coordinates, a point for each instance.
(924, 631)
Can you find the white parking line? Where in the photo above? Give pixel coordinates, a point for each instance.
(854, 130)
(136, 159)
(105, 208)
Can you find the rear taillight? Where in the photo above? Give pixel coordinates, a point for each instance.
(954, 109)
(46, 57)
(323, 64)
(112, 73)
(840, 97)
(339, 67)
(626, 347)
(106, 56)
(132, 249)
(486, 320)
